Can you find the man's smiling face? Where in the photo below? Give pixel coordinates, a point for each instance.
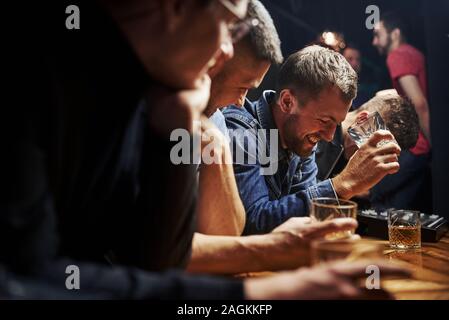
(313, 121)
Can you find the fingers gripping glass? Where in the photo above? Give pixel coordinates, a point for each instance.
(364, 127)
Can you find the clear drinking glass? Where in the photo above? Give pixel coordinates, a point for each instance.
(361, 130)
(404, 229)
(323, 209)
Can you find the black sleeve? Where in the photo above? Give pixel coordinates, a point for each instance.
(103, 282)
(28, 243)
(29, 224)
(165, 220)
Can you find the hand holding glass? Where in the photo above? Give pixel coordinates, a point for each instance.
(364, 127)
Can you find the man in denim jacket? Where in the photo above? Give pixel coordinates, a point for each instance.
(316, 87)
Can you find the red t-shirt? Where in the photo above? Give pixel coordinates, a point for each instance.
(407, 60)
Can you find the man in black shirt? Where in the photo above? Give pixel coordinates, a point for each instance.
(89, 172)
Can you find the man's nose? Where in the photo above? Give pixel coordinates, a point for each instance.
(228, 49)
(223, 54)
(328, 134)
(242, 97)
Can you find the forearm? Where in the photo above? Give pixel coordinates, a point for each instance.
(411, 87)
(233, 255)
(343, 187)
(220, 209)
(424, 121)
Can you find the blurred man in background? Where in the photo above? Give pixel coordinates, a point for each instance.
(365, 89)
(407, 69)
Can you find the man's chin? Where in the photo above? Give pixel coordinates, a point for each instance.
(304, 153)
(382, 51)
(302, 149)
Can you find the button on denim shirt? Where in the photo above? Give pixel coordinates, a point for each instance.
(271, 199)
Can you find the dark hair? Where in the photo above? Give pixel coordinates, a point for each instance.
(399, 115)
(314, 68)
(263, 37)
(391, 20)
(352, 45)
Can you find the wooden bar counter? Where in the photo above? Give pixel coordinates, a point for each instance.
(430, 266)
(431, 271)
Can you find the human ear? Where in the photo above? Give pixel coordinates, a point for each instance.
(287, 101)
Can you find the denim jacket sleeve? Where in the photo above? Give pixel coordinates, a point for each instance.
(264, 213)
(305, 179)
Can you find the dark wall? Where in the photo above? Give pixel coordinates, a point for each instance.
(299, 21)
(437, 41)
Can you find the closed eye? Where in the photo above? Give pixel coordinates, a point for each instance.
(325, 122)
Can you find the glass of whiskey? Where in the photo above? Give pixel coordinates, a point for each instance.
(404, 229)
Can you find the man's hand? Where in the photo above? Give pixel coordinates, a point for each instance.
(291, 241)
(368, 166)
(170, 109)
(340, 280)
(286, 247)
(306, 230)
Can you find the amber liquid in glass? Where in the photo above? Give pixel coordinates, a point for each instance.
(405, 237)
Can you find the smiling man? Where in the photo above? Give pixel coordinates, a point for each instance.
(315, 89)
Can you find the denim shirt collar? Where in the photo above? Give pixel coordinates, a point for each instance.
(265, 117)
(263, 109)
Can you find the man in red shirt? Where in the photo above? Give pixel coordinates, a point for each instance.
(407, 69)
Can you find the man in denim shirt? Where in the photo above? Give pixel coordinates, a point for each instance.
(315, 89)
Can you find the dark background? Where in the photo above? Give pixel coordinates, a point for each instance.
(300, 21)
(310, 17)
